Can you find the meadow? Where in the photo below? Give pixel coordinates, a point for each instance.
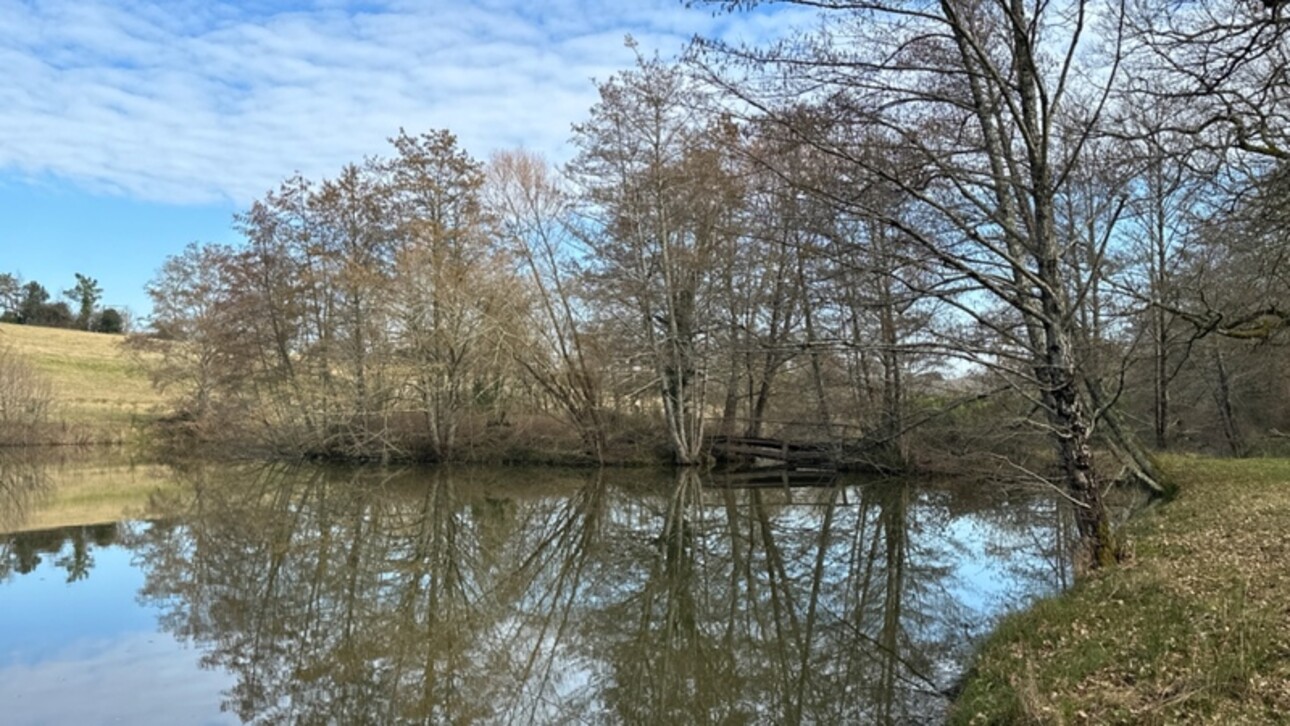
(100, 392)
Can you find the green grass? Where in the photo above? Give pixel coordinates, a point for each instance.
(99, 392)
(1195, 628)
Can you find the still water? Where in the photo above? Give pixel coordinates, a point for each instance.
(273, 594)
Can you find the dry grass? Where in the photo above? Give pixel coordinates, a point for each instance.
(99, 393)
(1194, 630)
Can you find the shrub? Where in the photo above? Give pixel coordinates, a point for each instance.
(25, 398)
(108, 321)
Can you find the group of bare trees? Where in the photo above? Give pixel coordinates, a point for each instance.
(667, 274)
(358, 307)
(869, 226)
(1069, 179)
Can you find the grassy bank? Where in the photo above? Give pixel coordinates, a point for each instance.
(100, 395)
(1195, 628)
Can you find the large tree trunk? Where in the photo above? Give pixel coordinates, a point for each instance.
(822, 408)
(893, 394)
(1072, 431)
(1070, 420)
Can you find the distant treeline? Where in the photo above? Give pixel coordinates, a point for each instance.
(30, 303)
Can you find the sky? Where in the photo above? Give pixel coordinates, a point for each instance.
(129, 129)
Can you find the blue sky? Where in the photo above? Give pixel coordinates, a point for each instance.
(128, 129)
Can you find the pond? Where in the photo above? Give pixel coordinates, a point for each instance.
(272, 594)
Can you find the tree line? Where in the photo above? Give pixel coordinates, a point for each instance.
(959, 231)
(30, 303)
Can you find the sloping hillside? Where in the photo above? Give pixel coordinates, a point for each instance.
(99, 392)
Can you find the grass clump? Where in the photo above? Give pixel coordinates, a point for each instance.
(1194, 629)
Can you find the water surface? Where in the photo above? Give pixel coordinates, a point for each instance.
(270, 594)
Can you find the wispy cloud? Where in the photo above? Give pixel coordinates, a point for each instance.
(197, 101)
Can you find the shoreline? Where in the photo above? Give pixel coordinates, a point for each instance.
(1193, 628)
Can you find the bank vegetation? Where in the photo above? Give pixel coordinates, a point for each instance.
(1193, 630)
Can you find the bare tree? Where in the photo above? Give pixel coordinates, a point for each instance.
(533, 215)
(195, 353)
(761, 285)
(455, 301)
(658, 207)
(353, 233)
(974, 109)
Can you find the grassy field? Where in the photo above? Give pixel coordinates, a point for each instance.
(100, 394)
(1195, 628)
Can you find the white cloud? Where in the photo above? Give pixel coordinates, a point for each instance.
(195, 101)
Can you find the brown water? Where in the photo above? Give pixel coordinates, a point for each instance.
(322, 595)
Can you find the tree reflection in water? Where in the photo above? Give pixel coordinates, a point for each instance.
(24, 484)
(462, 596)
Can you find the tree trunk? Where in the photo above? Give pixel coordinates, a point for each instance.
(1072, 431)
(1160, 323)
(1222, 390)
(1127, 448)
(817, 369)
